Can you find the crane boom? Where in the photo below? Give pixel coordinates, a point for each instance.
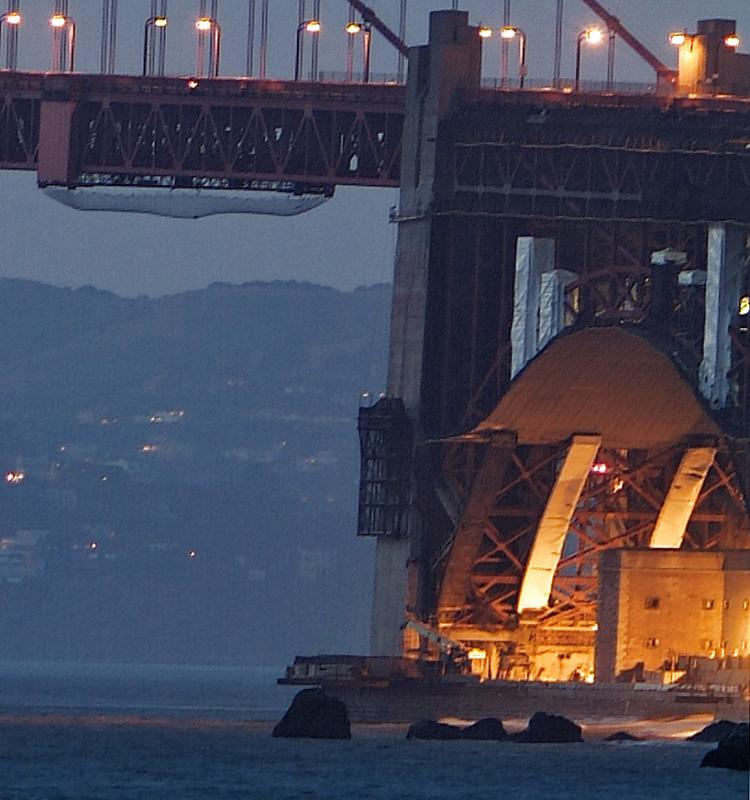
(663, 72)
(371, 18)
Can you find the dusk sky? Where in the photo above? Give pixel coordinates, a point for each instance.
(346, 243)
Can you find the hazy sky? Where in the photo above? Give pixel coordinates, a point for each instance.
(347, 242)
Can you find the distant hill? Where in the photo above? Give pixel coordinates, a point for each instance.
(188, 471)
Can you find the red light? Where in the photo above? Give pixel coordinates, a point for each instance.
(600, 468)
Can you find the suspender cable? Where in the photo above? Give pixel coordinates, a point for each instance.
(350, 47)
(401, 68)
(558, 44)
(250, 62)
(315, 48)
(504, 47)
(263, 61)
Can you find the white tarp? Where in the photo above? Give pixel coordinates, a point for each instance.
(184, 203)
(555, 522)
(681, 498)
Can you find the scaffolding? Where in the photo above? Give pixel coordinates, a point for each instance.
(386, 442)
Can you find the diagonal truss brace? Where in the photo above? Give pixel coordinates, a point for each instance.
(682, 497)
(455, 588)
(555, 522)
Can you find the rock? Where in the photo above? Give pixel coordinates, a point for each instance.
(489, 729)
(714, 732)
(733, 751)
(623, 736)
(429, 729)
(315, 715)
(549, 728)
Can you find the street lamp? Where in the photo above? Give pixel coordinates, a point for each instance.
(204, 26)
(592, 36)
(306, 26)
(63, 43)
(508, 33)
(355, 28)
(13, 20)
(153, 25)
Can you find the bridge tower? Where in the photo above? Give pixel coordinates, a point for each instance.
(557, 240)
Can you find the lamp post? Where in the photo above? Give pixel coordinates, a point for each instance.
(63, 43)
(354, 28)
(12, 19)
(154, 25)
(204, 26)
(592, 36)
(306, 26)
(507, 34)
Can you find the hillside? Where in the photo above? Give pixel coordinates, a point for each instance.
(186, 471)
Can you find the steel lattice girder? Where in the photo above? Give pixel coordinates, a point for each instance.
(616, 509)
(226, 131)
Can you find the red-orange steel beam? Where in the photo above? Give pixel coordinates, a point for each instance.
(371, 18)
(613, 23)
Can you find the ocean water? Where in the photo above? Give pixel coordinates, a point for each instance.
(143, 733)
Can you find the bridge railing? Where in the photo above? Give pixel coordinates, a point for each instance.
(358, 77)
(569, 85)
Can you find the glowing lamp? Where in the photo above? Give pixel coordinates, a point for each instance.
(353, 28)
(160, 22)
(600, 468)
(13, 18)
(593, 35)
(677, 38)
(485, 32)
(58, 21)
(508, 33)
(732, 40)
(744, 309)
(313, 26)
(475, 654)
(192, 84)
(204, 24)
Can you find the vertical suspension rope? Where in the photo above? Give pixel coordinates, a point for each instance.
(60, 39)
(162, 48)
(112, 51)
(401, 67)
(250, 61)
(214, 41)
(300, 39)
(315, 47)
(11, 47)
(263, 61)
(504, 47)
(558, 43)
(350, 47)
(104, 45)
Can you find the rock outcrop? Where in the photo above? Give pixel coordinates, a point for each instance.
(315, 715)
(733, 751)
(549, 729)
(714, 732)
(429, 729)
(488, 729)
(622, 736)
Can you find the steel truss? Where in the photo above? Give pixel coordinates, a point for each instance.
(617, 510)
(222, 133)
